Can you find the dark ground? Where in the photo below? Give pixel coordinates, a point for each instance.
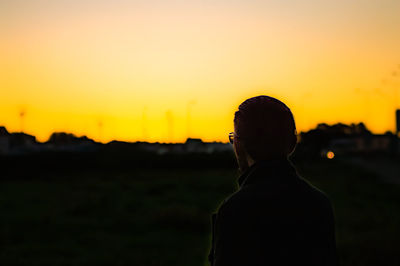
(161, 215)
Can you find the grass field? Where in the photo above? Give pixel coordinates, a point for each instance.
(162, 217)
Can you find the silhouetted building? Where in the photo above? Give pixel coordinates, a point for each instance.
(363, 144)
(344, 139)
(61, 141)
(4, 141)
(21, 143)
(4, 132)
(194, 145)
(16, 143)
(213, 147)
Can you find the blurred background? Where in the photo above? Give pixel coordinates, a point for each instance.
(114, 122)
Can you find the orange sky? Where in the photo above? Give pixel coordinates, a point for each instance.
(165, 70)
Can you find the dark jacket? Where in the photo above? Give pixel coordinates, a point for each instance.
(275, 218)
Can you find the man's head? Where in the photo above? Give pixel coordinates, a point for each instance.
(264, 130)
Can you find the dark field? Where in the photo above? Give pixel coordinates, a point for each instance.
(162, 216)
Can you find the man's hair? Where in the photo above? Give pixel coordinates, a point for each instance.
(265, 127)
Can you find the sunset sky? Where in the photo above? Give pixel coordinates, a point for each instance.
(165, 70)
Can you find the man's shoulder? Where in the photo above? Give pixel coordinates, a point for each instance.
(312, 192)
(299, 192)
(236, 201)
(246, 202)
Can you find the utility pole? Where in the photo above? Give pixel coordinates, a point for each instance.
(22, 114)
(144, 124)
(170, 125)
(392, 81)
(189, 118)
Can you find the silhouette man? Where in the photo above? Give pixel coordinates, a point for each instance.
(275, 217)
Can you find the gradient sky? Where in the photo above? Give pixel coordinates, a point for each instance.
(165, 70)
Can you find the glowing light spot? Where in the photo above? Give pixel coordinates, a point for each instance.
(330, 155)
